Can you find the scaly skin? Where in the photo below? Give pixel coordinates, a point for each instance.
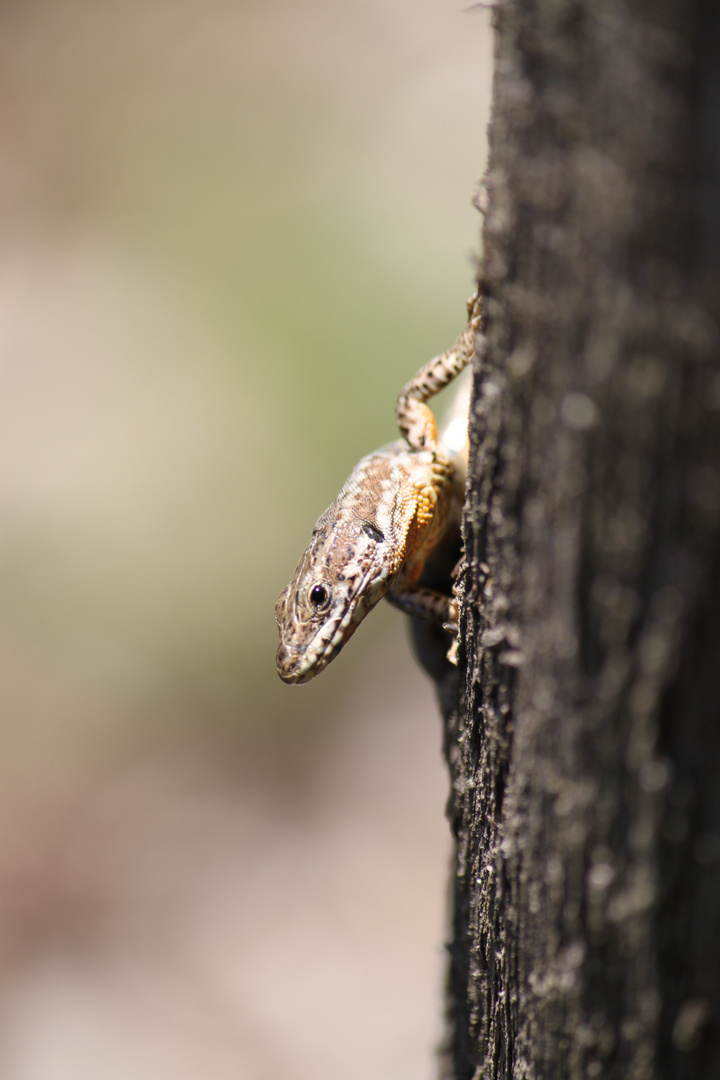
(375, 538)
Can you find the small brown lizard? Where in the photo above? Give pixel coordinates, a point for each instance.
(375, 539)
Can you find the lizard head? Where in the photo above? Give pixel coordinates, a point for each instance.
(341, 576)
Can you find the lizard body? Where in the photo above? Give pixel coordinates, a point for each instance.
(374, 540)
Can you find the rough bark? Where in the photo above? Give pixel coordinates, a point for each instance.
(585, 758)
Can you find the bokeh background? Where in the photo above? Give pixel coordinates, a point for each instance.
(230, 232)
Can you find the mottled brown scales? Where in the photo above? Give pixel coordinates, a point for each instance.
(375, 538)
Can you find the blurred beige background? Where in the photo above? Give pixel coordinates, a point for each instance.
(231, 232)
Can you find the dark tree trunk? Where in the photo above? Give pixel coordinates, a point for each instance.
(585, 759)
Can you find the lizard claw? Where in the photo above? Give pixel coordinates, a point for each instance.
(452, 653)
(452, 628)
(459, 568)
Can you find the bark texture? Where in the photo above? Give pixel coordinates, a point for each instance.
(585, 758)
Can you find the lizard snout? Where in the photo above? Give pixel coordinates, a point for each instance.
(288, 661)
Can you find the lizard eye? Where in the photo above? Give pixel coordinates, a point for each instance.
(319, 596)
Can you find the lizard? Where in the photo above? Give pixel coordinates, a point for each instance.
(375, 538)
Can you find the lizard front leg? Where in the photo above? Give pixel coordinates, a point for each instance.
(426, 604)
(414, 417)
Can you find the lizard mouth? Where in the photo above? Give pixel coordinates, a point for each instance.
(293, 667)
(301, 665)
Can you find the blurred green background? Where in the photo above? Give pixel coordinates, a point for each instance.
(231, 232)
